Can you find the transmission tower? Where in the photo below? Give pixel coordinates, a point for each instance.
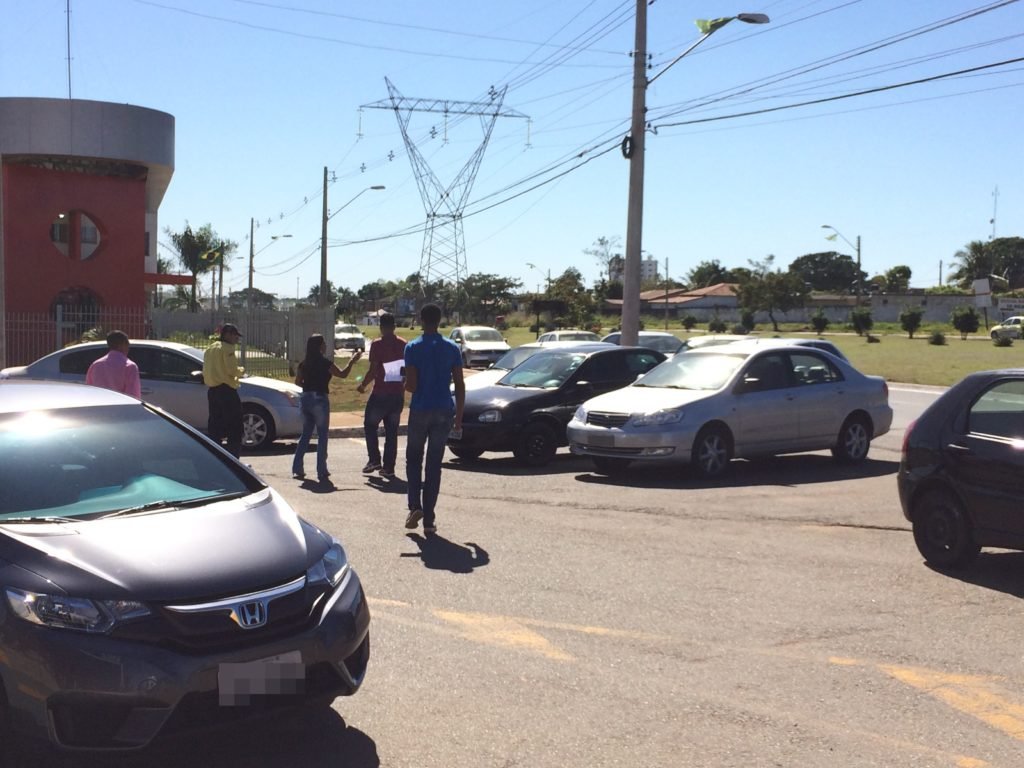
(444, 246)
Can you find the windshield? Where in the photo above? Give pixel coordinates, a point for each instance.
(514, 357)
(693, 370)
(88, 462)
(546, 371)
(667, 344)
(484, 334)
(578, 336)
(347, 329)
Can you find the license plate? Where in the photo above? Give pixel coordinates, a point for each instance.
(601, 441)
(237, 683)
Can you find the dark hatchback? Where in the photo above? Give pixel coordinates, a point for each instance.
(150, 583)
(961, 477)
(526, 411)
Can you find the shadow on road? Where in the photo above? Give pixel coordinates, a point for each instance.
(782, 471)
(439, 553)
(999, 571)
(507, 464)
(311, 737)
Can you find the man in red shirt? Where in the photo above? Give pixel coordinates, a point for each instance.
(114, 370)
(387, 399)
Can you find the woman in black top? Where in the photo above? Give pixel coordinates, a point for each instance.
(314, 376)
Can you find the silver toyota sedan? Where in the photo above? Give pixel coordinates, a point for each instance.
(737, 400)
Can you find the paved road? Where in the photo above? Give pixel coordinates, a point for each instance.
(780, 617)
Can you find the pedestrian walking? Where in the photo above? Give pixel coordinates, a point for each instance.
(314, 376)
(114, 370)
(432, 365)
(223, 376)
(387, 398)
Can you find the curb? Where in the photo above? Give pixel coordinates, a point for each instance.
(358, 431)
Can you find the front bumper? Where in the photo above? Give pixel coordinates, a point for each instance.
(98, 692)
(484, 358)
(498, 436)
(648, 444)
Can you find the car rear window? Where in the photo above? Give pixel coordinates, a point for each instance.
(1000, 411)
(78, 361)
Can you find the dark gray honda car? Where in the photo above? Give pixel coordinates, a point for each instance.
(150, 583)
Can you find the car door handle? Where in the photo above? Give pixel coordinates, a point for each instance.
(957, 448)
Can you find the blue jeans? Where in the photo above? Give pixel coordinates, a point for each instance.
(386, 408)
(316, 413)
(427, 429)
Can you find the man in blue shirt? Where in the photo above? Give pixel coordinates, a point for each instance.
(432, 364)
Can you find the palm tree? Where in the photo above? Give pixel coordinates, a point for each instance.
(973, 261)
(199, 252)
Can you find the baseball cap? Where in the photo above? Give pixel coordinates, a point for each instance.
(229, 328)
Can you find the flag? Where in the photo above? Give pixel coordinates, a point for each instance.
(833, 236)
(707, 26)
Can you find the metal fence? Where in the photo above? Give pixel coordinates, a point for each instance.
(272, 341)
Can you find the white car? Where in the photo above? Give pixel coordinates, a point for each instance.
(1010, 328)
(172, 379)
(737, 400)
(567, 334)
(349, 337)
(479, 344)
(659, 341)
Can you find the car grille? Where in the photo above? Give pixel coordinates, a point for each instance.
(600, 419)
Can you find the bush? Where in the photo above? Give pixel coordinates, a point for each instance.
(861, 320)
(910, 319)
(819, 321)
(965, 319)
(739, 329)
(747, 321)
(689, 322)
(717, 326)
(1002, 341)
(938, 338)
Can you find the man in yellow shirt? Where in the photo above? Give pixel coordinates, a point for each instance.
(222, 375)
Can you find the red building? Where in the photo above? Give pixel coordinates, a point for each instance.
(80, 187)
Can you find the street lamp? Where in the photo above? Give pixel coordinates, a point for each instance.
(323, 237)
(633, 150)
(856, 247)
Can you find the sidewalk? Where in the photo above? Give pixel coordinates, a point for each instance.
(350, 423)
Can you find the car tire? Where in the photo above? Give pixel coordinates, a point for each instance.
(712, 451)
(942, 531)
(465, 360)
(994, 335)
(536, 445)
(853, 442)
(467, 454)
(606, 465)
(258, 431)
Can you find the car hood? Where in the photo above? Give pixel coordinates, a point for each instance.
(226, 548)
(16, 371)
(349, 336)
(635, 399)
(265, 382)
(487, 346)
(485, 378)
(496, 396)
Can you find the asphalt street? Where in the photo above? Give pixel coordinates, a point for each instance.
(778, 617)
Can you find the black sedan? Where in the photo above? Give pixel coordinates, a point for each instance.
(527, 410)
(961, 478)
(151, 583)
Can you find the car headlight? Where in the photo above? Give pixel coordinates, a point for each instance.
(293, 399)
(489, 417)
(656, 419)
(79, 613)
(581, 415)
(332, 567)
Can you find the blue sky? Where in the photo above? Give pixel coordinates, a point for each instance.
(267, 94)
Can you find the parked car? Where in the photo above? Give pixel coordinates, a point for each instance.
(737, 400)
(695, 342)
(479, 344)
(526, 410)
(172, 379)
(1010, 328)
(961, 477)
(150, 583)
(567, 334)
(662, 341)
(514, 357)
(349, 337)
(816, 343)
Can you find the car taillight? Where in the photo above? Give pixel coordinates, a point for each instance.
(906, 437)
(885, 389)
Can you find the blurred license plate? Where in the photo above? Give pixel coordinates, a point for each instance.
(238, 683)
(601, 441)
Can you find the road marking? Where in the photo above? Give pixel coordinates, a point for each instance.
(503, 631)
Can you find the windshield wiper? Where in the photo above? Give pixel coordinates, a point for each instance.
(46, 519)
(175, 503)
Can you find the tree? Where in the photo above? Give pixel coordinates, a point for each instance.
(910, 319)
(199, 251)
(897, 279)
(829, 271)
(819, 321)
(712, 273)
(313, 297)
(484, 295)
(770, 290)
(239, 300)
(580, 306)
(972, 262)
(861, 320)
(605, 250)
(965, 319)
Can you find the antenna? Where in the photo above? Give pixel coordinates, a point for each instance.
(67, 13)
(992, 221)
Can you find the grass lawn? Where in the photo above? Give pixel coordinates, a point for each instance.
(896, 357)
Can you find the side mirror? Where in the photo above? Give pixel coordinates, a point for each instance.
(197, 377)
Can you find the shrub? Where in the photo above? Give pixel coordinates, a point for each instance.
(739, 329)
(747, 321)
(717, 326)
(965, 319)
(689, 322)
(1002, 341)
(819, 321)
(910, 319)
(938, 338)
(861, 320)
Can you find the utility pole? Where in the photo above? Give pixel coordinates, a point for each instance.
(252, 256)
(666, 293)
(323, 249)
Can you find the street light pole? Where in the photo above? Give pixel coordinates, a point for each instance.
(857, 248)
(323, 237)
(633, 150)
